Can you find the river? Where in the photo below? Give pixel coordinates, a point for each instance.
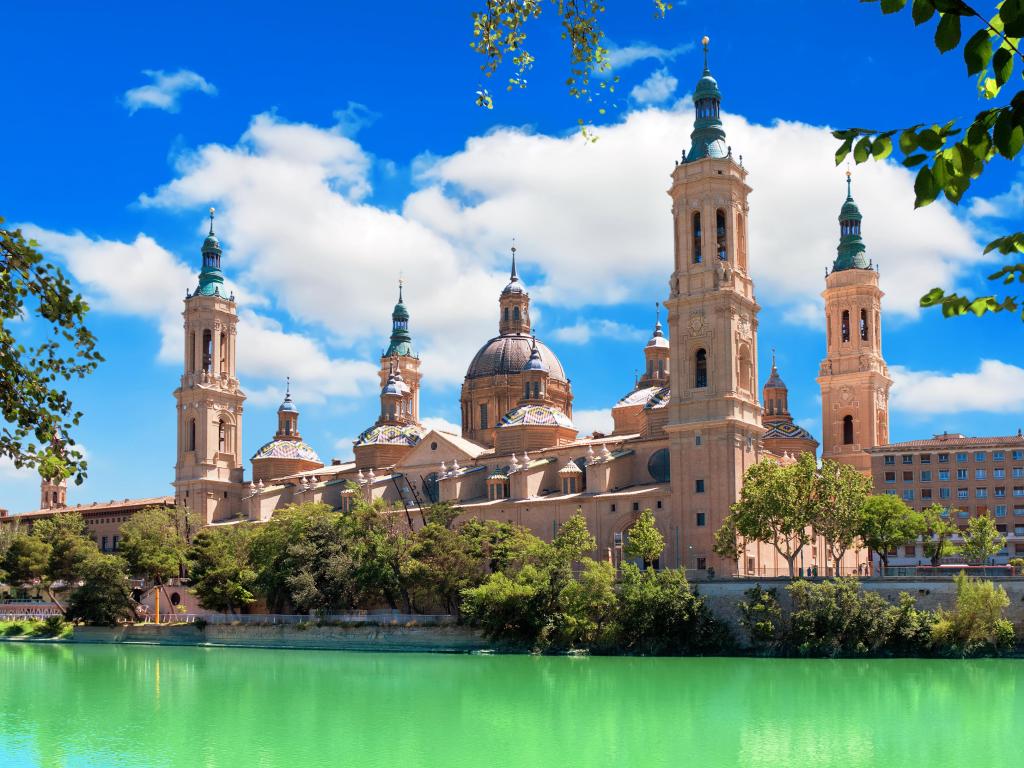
(75, 706)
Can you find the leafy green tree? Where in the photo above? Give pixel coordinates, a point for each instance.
(573, 540)
(444, 566)
(443, 513)
(887, 522)
(105, 597)
(761, 618)
(511, 607)
(222, 577)
(27, 560)
(586, 607)
(154, 544)
(841, 491)
(70, 549)
(948, 155)
(7, 533)
(940, 530)
(381, 546)
(978, 623)
(502, 546)
(981, 540)
(499, 31)
(38, 417)
(645, 540)
(777, 506)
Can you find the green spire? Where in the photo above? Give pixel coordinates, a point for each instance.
(851, 246)
(211, 279)
(401, 341)
(708, 137)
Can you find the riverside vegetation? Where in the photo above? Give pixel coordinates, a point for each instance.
(517, 589)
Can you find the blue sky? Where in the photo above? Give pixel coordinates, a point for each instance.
(341, 147)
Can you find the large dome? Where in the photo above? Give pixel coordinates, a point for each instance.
(508, 355)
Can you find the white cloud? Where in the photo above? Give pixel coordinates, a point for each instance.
(584, 330)
(996, 387)
(1007, 205)
(620, 58)
(344, 447)
(165, 90)
(658, 87)
(441, 425)
(596, 420)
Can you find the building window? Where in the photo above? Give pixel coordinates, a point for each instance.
(926, 476)
(847, 430)
(613, 508)
(1018, 472)
(115, 541)
(636, 506)
(659, 504)
(961, 457)
(962, 493)
(698, 486)
(568, 485)
(1018, 490)
(1000, 510)
(191, 434)
(720, 233)
(845, 327)
(207, 351)
(961, 474)
(863, 325)
(907, 458)
(908, 494)
(890, 477)
(979, 474)
(104, 546)
(890, 460)
(221, 437)
(700, 519)
(192, 352)
(223, 354)
(697, 258)
(979, 455)
(999, 473)
(981, 493)
(926, 458)
(700, 373)
(908, 477)
(943, 474)
(1000, 492)
(926, 494)
(1018, 455)
(943, 493)
(998, 456)
(702, 563)
(483, 415)
(515, 314)
(943, 458)
(696, 441)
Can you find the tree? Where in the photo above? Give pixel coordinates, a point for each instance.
(586, 607)
(105, 597)
(27, 559)
(154, 544)
(841, 493)
(887, 522)
(444, 566)
(38, 417)
(498, 31)
(381, 546)
(777, 506)
(442, 513)
(981, 540)
(951, 156)
(70, 549)
(940, 529)
(645, 540)
(978, 620)
(222, 577)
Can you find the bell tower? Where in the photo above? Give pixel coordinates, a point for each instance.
(854, 378)
(208, 473)
(399, 356)
(714, 421)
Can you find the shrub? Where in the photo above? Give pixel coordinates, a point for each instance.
(761, 618)
(977, 624)
(53, 626)
(1017, 564)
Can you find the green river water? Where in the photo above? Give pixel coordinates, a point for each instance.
(65, 705)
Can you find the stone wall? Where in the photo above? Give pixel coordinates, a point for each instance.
(361, 638)
(723, 597)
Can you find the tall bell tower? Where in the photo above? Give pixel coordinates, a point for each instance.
(714, 419)
(854, 378)
(208, 473)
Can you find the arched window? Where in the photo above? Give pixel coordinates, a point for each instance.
(661, 369)
(720, 234)
(515, 314)
(700, 370)
(207, 351)
(746, 370)
(650, 367)
(222, 437)
(828, 330)
(191, 434)
(192, 352)
(526, 390)
(536, 389)
(223, 354)
(696, 238)
(741, 245)
(846, 325)
(847, 430)
(506, 314)
(863, 325)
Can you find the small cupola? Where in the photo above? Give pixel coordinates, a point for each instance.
(656, 356)
(851, 250)
(288, 416)
(211, 279)
(708, 136)
(775, 395)
(514, 305)
(535, 377)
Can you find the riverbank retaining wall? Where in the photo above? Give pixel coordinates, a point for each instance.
(723, 597)
(354, 638)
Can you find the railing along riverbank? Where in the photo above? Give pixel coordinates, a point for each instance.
(341, 619)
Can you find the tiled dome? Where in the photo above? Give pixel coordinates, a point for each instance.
(638, 396)
(786, 430)
(659, 399)
(504, 355)
(287, 449)
(536, 415)
(390, 434)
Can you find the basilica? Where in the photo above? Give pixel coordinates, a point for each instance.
(683, 436)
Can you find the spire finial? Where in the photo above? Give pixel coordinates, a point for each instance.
(704, 41)
(399, 287)
(773, 358)
(212, 211)
(287, 386)
(849, 189)
(657, 312)
(514, 275)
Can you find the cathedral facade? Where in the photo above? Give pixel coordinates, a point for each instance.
(683, 436)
